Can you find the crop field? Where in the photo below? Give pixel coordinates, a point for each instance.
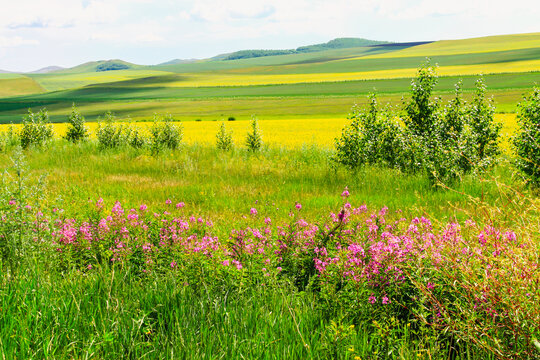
(270, 208)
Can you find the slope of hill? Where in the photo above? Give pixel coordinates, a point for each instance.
(339, 43)
(318, 83)
(102, 65)
(47, 70)
(18, 85)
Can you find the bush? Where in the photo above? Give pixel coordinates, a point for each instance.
(444, 142)
(165, 133)
(224, 139)
(254, 138)
(231, 118)
(77, 131)
(527, 140)
(374, 136)
(9, 138)
(36, 129)
(111, 134)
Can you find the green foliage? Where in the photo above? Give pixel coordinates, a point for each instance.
(111, 66)
(36, 129)
(247, 54)
(374, 137)
(77, 130)
(165, 134)
(421, 112)
(224, 140)
(18, 196)
(527, 140)
(254, 138)
(443, 142)
(111, 134)
(9, 139)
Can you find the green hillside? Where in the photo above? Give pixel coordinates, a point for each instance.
(297, 85)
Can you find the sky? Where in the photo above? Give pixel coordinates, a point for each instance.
(37, 33)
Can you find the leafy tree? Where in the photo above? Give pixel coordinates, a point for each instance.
(77, 130)
(165, 133)
(527, 140)
(224, 139)
(254, 138)
(36, 129)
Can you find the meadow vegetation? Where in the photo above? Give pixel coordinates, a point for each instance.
(408, 232)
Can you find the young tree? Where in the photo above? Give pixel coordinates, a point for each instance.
(224, 139)
(254, 138)
(77, 130)
(527, 140)
(36, 129)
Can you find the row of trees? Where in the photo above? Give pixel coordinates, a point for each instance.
(164, 133)
(443, 141)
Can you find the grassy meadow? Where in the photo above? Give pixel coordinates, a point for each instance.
(194, 252)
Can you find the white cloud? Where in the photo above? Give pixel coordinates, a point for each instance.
(6, 41)
(204, 27)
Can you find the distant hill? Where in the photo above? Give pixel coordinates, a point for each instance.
(102, 65)
(47, 69)
(178, 61)
(4, 72)
(339, 43)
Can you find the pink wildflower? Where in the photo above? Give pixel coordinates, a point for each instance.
(253, 211)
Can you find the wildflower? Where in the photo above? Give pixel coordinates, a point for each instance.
(372, 299)
(345, 192)
(173, 264)
(168, 202)
(385, 300)
(143, 207)
(180, 205)
(267, 221)
(298, 206)
(253, 211)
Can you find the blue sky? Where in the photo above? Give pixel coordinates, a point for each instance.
(35, 33)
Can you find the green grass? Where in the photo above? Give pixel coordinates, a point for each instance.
(224, 185)
(18, 85)
(313, 100)
(114, 315)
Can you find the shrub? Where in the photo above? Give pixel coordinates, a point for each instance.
(77, 131)
(111, 134)
(224, 139)
(165, 133)
(486, 131)
(527, 140)
(444, 142)
(231, 118)
(374, 136)
(137, 139)
(254, 138)
(36, 129)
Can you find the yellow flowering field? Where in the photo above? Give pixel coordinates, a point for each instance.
(289, 133)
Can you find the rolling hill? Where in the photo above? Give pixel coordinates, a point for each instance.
(326, 82)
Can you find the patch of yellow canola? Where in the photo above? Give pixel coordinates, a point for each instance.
(214, 79)
(292, 133)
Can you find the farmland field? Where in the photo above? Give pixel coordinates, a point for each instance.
(247, 209)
